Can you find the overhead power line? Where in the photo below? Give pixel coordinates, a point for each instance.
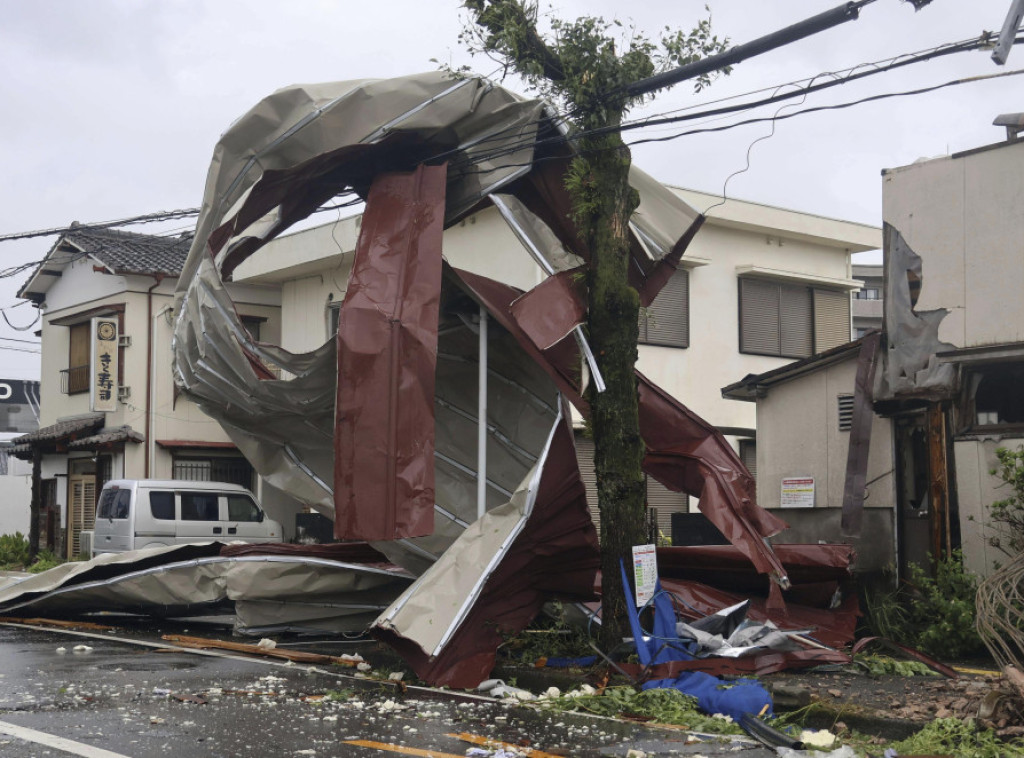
(144, 219)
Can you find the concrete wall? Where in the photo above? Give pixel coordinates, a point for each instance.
(964, 215)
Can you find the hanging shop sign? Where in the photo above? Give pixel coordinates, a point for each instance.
(103, 383)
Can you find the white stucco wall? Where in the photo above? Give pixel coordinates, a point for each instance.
(15, 496)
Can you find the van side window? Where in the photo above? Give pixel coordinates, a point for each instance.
(161, 505)
(199, 506)
(242, 508)
(106, 504)
(122, 504)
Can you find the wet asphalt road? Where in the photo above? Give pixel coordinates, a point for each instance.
(136, 701)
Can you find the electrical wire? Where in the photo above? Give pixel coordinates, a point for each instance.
(143, 219)
(26, 342)
(662, 119)
(842, 77)
(20, 350)
(20, 328)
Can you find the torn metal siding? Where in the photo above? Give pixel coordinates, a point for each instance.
(262, 589)
(912, 337)
(499, 573)
(855, 483)
(387, 351)
(302, 146)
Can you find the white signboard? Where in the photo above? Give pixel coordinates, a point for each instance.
(645, 572)
(798, 492)
(103, 377)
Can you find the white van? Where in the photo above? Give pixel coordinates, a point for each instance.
(137, 513)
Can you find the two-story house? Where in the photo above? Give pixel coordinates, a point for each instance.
(119, 416)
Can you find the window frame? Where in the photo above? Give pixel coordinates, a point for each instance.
(967, 412)
(810, 295)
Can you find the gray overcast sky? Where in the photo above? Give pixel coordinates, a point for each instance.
(112, 107)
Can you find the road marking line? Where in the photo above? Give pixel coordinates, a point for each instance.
(59, 743)
(391, 748)
(474, 739)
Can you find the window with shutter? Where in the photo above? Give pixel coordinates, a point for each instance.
(791, 320)
(759, 317)
(665, 502)
(748, 454)
(667, 320)
(795, 323)
(831, 319)
(775, 319)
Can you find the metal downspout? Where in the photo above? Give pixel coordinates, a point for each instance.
(149, 373)
(481, 426)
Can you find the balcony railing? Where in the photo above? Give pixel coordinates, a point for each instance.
(74, 380)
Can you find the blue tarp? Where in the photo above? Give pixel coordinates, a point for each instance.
(714, 695)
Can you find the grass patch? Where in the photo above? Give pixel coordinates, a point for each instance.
(664, 706)
(960, 738)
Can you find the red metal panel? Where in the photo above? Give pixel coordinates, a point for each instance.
(553, 308)
(387, 353)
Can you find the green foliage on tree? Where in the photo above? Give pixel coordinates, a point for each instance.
(585, 66)
(1008, 513)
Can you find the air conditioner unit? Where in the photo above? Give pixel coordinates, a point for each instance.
(86, 540)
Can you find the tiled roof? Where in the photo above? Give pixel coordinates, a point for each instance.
(106, 436)
(131, 253)
(69, 429)
(61, 429)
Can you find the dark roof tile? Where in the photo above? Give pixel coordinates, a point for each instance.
(132, 253)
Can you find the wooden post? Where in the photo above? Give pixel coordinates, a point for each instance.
(35, 505)
(938, 483)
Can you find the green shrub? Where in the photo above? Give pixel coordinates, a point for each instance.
(45, 561)
(13, 550)
(933, 614)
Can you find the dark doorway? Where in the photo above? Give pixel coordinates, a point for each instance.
(913, 506)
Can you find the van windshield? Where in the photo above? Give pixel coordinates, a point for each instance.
(242, 508)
